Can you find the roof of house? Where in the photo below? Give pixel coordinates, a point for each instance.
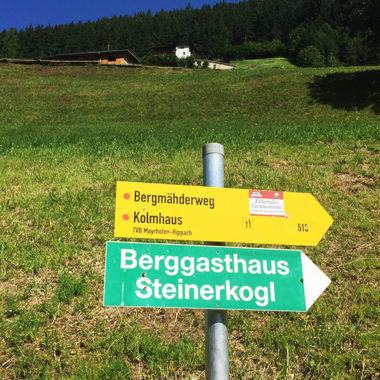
(97, 55)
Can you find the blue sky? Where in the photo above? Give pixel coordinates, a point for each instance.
(22, 13)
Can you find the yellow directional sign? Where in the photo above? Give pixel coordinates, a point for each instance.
(176, 212)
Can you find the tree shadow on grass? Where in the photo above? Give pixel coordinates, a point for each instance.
(349, 91)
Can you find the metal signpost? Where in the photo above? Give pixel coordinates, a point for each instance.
(214, 277)
(217, 357)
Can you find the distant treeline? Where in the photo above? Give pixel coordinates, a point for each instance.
(310, 32)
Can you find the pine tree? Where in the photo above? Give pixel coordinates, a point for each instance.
(11, 46)
(347, 30)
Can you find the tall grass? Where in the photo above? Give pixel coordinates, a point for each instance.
(66, 136)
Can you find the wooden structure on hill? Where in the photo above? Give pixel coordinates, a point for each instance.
(110, 57)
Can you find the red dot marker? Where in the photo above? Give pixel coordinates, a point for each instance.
(127, 195)
(125, 216)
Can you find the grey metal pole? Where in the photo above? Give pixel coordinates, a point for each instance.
(217, 360)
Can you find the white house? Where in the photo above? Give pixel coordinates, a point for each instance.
(182, 51)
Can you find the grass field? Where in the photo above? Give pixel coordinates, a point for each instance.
(67, 134)
(264, 64)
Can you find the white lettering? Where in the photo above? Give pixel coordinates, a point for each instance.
(282, 268)
(157, 285)
(171, 265)
(262, 299)
(217, 264)
(180, 288)
(254, 266)
(261, 295)
(125, 258)
(228, 262)
(157, 260)
(207, 292)
(272, 269)
(203, 264)
(143, 284)
(145, 262)
(238, 261)
(231, 292)
(218, 288)
(246, 289)
(187, 291)
(187, 269)
(169, 291)
(272, 295)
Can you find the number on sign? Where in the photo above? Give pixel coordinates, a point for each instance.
(302, 227)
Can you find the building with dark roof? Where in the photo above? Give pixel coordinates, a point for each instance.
(111, 57)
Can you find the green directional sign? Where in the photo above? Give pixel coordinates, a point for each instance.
(210, 277)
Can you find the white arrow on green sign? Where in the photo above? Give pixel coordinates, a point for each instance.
(208, 277)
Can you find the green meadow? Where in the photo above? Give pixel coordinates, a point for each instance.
(67, 134)
(269, 63)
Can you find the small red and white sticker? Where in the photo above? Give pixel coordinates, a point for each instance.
(266, 203)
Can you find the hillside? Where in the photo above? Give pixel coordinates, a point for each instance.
(68, 133)
(311, 33)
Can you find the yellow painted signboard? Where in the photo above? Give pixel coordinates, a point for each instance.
(198, 213)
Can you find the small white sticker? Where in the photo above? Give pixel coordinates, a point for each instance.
(266, 203)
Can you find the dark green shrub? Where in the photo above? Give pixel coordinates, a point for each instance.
(181, 62)
(160, 60)
(190, 62)
(205, 64)
(310, 56)
(332, 61)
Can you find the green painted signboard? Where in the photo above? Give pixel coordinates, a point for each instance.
(210, 277)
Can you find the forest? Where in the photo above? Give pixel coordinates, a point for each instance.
(309, 32)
